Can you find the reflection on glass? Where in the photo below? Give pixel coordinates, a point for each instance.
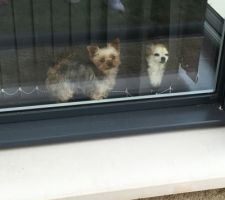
(83, 51)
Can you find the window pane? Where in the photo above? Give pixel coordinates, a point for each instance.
(63, 52)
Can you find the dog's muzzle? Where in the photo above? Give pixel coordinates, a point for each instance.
(163, 60)
(110, 64)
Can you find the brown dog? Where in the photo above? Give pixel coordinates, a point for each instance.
(94, 79)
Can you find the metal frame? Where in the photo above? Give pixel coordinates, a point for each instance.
(110, 125)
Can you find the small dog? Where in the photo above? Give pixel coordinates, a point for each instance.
(157, 57)
(94, 79)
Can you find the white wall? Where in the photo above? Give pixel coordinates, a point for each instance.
(219, 6)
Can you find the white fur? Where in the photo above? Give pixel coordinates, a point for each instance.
(156, 68)
(155, 73)
(63, 90)
(106, 85)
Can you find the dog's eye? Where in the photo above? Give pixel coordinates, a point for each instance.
(113, 57)
(156, 54)
(167, 54)
(102, 60)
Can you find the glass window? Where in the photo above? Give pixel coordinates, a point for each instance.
(73, 52)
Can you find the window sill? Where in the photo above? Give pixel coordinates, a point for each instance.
(122, 168)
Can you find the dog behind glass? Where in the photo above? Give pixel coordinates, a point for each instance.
(157, 56)
(94, 78)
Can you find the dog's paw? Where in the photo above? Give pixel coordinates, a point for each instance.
(65, 96)
(97, 96)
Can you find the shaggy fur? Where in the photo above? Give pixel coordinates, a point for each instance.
(94, 79)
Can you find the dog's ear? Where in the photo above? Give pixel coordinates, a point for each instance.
(149, 48)
(115, 43)
(92, 50)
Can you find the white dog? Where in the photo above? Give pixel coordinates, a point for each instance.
(157, 57)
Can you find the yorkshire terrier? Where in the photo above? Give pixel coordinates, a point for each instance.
(94, 79)
(157, 56)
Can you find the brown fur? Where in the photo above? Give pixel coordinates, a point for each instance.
(106, 58)
(67, 77)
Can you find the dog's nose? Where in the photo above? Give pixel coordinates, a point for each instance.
(109, 63)
(163, 59)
